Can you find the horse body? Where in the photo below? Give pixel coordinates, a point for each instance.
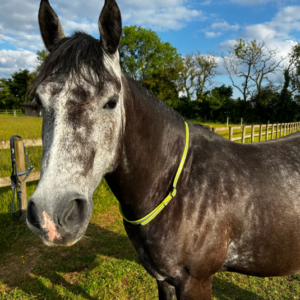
(237, 206)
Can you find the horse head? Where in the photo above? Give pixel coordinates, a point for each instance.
(80, 92)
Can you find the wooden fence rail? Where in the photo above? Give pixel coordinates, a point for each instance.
(267, 130)
(10, 111)
(278, 130)
(28, 143)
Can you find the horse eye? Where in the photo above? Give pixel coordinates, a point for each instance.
(111, 104)
(37, 99)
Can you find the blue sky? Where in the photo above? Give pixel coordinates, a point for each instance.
(189, 25)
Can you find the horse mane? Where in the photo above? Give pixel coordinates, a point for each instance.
(79, 56)
(159, 106)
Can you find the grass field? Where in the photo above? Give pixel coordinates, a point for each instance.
(103, 265)
(26, 127)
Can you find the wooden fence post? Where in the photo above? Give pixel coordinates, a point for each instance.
(20, 162)
(285, 128)
(272, 132)
(267, 133)
(243, 134)
(260, 132)
(230, 133)
(252, 134)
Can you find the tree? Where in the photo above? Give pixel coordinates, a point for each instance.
(41, 56)
(187, 77)
(14, 89)
(253, 62)
(206, 70)
(150, 61)
(197, 70)
(292, 72)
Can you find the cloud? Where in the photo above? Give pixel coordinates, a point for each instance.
(259, 32)
(19, 20)
(218, 28)
(11, 61)
(277, 35)
(164, 18)
(207, 2)
(253, 2)
(224, 26)
(211, 34)
(19, 28)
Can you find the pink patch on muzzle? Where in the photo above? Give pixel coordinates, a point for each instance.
(51, 228)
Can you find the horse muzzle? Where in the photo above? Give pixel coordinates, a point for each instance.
(61, 225)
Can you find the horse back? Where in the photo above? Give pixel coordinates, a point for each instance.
(253, 192)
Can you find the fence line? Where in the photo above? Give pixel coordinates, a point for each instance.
(6, 181)
(28, 143)
(281, 130)
(10, 111)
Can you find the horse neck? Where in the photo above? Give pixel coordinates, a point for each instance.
(152, 146)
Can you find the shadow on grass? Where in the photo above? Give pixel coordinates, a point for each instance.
(52, 266)
(48, 270)
(224, 290)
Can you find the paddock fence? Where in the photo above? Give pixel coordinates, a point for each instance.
(243, 134)
(10, 111)
(263, 132)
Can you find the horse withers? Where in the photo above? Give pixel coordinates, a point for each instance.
(237, 206)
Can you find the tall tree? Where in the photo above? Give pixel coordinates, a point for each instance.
(252, 62)
(150, 61)
(188, 75)
(197, 70)
(206, 71)
(293, 70)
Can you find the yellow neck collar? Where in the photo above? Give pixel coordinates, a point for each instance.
(172, 194)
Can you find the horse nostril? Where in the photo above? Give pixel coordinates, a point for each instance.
(32, 215)
(75, 213)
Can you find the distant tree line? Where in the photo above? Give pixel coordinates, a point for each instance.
(14, 90)
(189, 85)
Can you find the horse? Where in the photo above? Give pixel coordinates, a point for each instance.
(231, 207)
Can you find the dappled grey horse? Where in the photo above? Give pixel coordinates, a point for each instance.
(231, 207)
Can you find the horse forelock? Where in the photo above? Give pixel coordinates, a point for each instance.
(80, 57)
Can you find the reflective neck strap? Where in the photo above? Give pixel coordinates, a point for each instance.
(172, 194)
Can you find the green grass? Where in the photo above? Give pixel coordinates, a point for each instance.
(103, 265)
(26, 127)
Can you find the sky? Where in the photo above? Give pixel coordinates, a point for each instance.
(189, 25)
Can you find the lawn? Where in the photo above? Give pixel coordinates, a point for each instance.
(104, 264)
(26, 127)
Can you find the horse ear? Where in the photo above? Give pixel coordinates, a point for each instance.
(50, 26)
(110, 26)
